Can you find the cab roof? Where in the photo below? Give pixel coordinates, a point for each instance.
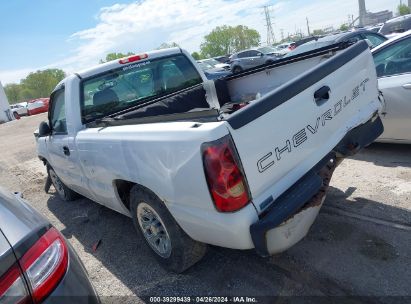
(101, 68)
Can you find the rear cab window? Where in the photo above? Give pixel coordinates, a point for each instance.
(134, 84)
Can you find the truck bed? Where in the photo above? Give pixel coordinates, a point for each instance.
(229, 93)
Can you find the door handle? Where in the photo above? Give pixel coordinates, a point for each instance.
(407, 86)
(66, 150)
(322, 95)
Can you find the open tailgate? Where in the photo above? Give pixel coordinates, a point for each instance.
(284, 134)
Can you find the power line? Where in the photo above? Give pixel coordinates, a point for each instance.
(270, 31)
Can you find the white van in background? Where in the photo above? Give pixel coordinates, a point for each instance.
(5, 112)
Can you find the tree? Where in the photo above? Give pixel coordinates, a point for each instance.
(166, 45)
(114, 56)
(344, 27)
(35, 85)
(226, 39)
(403, 9)
(40, 83)
(196, 55)
(318, 32)
(13, 91)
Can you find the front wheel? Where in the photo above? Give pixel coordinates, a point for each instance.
(172, 247)
(64, 192)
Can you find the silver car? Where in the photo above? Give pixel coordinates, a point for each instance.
(37, 264)
(251, 58)
(393, 63)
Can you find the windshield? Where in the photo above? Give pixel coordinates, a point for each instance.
(135, 84)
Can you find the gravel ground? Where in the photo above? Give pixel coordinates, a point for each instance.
(360, 245)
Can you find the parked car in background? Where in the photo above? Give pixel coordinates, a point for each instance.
(393, 64)
(211, 63)
(39, 105)
(37, 264)
(251, 58)
(305, 40)
(285, 48)
(395, 26)
(214, 69)
(19, 109)
(373, 39)
(375, 28)
(222, 59)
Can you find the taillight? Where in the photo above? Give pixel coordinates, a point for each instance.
(225, 177)
(12, 287)
(133, 58)
(45, 263)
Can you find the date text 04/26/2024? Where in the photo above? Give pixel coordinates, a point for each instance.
(206, 299)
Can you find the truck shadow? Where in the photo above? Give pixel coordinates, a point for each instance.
(309, 268)
(386, 155)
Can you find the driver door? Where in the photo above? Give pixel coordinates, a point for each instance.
(58, 141)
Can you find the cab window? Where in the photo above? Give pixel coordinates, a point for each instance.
(394, 59)
(134, 84)
(58, 113)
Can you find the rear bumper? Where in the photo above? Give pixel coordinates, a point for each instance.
(291, 215)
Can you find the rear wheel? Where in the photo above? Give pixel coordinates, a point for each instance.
(237, 69)
(172, 247)
(64, 192)
(16, 115)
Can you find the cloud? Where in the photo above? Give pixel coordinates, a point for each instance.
(144, 25)
(9, 76)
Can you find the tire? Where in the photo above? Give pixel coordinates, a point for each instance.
(237, 69)
(269, 62)
(16, 115)
(64, 192)
(173, 248)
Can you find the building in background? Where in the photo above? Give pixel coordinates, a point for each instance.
(367, 18)
(378, 17)
(5, 112)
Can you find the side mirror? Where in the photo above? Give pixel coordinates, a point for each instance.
(261, 54)
(44, 129)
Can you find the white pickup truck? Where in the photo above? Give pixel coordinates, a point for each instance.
(241, 162)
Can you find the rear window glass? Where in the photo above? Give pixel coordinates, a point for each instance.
(135, 84)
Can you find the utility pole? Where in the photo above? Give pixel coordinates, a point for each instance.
(308, 27)
(270, 31)
(282, 34)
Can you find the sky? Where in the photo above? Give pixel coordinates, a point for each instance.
(74, 34)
